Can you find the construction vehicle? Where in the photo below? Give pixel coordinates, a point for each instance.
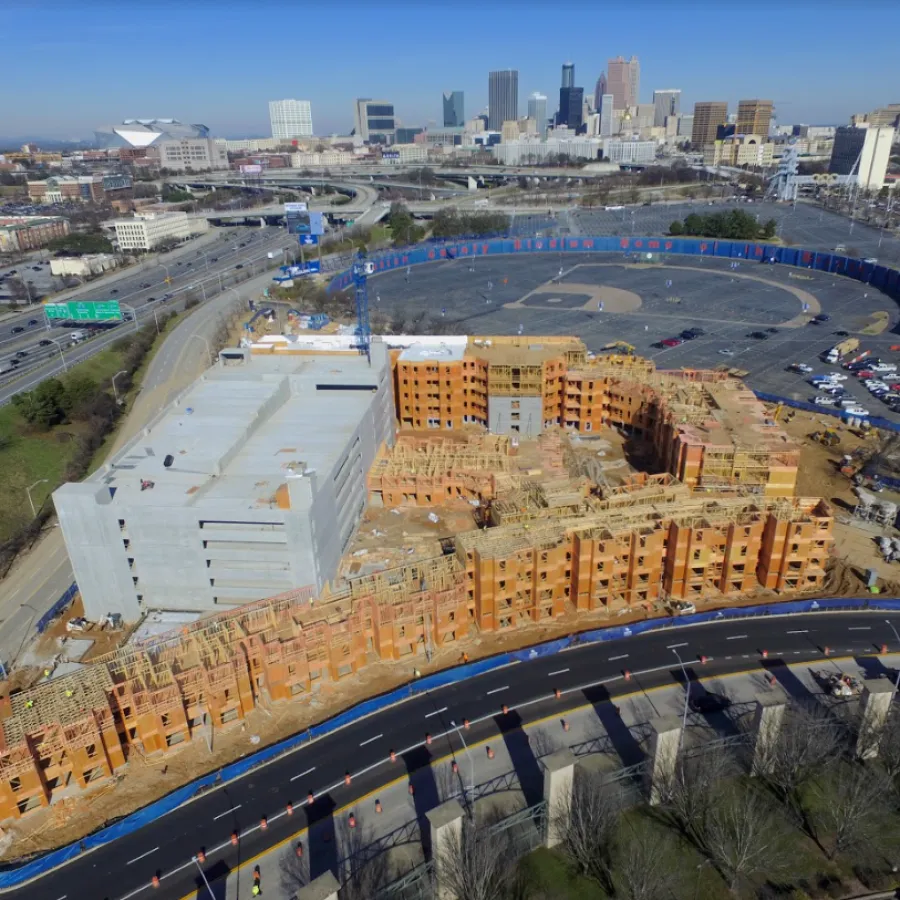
(843, 685)
(826, 438)
(841, 349)
(619, 347)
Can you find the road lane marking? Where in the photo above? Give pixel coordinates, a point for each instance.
(557, 672)
(861, 628)
(736, 637)
(797, 632)
(676, 646)
(313, 769)
(620, 656)
(130, 861)
(497, 690)
(369, 741)
(227, 812)
(436, 712)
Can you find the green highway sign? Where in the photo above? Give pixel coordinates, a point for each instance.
(84, 311)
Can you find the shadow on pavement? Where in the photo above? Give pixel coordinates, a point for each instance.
(528, 769)
(794, 687)
(623, 741)
(323, 850)
(425, 790)
(217, 875)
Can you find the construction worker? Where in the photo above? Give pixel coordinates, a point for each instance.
(465, 657)
(29, 704)
(417, 673)
(69, 692)
(257, 890)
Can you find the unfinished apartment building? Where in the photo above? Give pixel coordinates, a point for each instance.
(705, 427)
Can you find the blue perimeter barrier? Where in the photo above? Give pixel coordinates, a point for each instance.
(880, 277)
(57, 608)
(12, 877)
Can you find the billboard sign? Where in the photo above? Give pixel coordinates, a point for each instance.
(308, 268)
(251, 170)
(303, 222)
(390, 154)
(85, 311)
(308, 240)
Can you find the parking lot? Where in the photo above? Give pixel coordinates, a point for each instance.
(525, 294)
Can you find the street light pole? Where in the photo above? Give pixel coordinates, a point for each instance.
(115, 392)
(56, 341)
(890, 625)
(133, 314)
(28, 491)
(203, 876)
(687, 697)
(205, 341)
(456, 728)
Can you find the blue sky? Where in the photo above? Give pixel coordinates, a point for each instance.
(218, 62)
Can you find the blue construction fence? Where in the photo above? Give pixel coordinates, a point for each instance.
(57, 608)
(17, 875)
(881, 278)
(843, 415)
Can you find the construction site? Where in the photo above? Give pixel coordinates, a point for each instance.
(624, 491)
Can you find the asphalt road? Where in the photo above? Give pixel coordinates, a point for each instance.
(590, 673)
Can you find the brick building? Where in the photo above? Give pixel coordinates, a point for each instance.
(20, 233)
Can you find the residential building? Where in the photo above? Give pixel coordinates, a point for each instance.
(250, 485)
(537, 110)
(454, 109)
(629, 151)
(373, 121)
(21, 233)
(813, 132)
(290, 119)
(623, 80)
(146, 231)
(608, 121)
(666, 103)
(411, 153)
(528, 152)
(251, 145)
(509, 132)
(708, 116)
(503, 98)
(865, 150)
(599, 90)
(753, 150)
(441, 137)
(191, 155)
(81, 188)
(754, 117)
(326, 158)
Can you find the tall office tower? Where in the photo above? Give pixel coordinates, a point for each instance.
(373, 120)
(503, 98)
(754, 117)
(599, 90)
(708, 116)
(624, 81)
(568, 75)
(607, 108)
(863, 150)
(571, 107)
(290, 119)
(537, 110)
(454, 109)
(667, 103)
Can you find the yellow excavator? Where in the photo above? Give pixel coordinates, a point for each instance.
(619, 347)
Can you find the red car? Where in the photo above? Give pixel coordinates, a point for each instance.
(671, 342)
(865, 373)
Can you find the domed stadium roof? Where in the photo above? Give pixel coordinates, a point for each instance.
(145, 132)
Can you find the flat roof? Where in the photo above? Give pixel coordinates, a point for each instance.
(239, 433)
(439, 351)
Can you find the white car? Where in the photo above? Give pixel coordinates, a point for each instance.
(856, 411)
(884, 368)
(837, 376)
(726, 352)
(832, 389)
(822, 400)
(802, 368)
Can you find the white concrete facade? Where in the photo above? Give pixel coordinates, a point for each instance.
(191, 154)
(290, 119)
(148, 230)
(249, 485)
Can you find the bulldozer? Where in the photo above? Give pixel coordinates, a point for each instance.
(826, 438)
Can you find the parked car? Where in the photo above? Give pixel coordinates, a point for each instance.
(802, 368)
(726, 351)
(822, 400)
(758, 335)
(822, 317)
(672, 342)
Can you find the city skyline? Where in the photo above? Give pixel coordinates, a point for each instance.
(69, 93)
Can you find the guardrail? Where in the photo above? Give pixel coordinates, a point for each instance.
(880, 277)
(17, 874)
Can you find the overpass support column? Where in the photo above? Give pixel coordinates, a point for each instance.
(262, 222)
(446, 823)
(325, 887)
(559, 779)
(875, 707)
(662, 756)
(767, 723)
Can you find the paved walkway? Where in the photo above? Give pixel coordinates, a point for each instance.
(604, 737)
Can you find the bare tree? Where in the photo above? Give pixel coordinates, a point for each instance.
(478, 864)
(742, 837)
(587, 825)
(644, 866)
(849, 809)
(692, 789)
(364, 862)
(889, 745)
(543, 743)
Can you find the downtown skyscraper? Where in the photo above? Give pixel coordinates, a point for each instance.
(503, 98)
(454, 109)
(623, 81)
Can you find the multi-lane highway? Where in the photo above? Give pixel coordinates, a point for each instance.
(585, 674)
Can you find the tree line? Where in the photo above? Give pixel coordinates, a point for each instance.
(454, 223)
(732, 225)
